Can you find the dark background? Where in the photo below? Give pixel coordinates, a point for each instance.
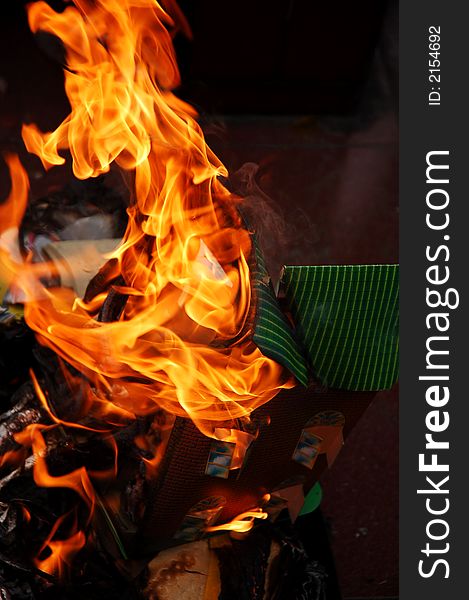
(307, 90)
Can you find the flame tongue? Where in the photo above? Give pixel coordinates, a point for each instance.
(61, 552)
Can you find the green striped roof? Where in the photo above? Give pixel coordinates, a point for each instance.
(272, 332)
(347, 319)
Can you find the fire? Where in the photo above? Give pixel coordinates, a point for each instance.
(183, 336)
(182, 342)
(78, 480)
(61, 552)
(244, 522)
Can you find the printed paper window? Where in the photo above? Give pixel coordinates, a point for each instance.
(307, 449)
(220, 459)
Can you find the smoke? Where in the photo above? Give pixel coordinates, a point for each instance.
(281, 239)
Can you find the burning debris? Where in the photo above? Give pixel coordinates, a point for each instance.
(158, 406)
(163, 329)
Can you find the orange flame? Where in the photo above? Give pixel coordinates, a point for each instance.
(26, 514)
(183, 338)
(242, 523)
(77, 480)
(61, 551)
(12, 457)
